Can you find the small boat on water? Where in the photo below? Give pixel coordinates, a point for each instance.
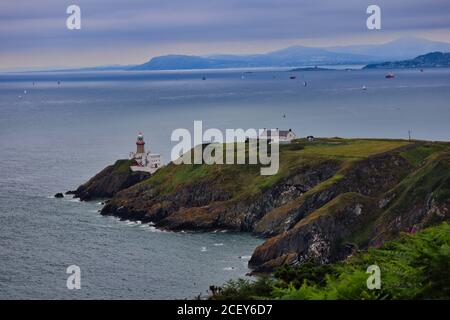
(292, 77)
(364, 88)
(390, 75)
(305, 83)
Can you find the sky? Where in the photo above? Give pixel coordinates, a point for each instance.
(33, 34)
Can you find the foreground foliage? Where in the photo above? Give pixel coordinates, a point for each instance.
(417, 266)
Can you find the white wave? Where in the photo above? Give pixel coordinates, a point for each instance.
(228, 268)
(153, 229)
(245, 257)
(203, 249)
(218, 244)
(149, 228)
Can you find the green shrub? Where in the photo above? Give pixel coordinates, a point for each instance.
(417, 266)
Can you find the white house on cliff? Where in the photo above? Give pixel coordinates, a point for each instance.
(284, 136)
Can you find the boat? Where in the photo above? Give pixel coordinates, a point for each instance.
(292, 77)
(364, 87)
(390, 75)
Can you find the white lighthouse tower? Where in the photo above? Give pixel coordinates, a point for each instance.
(144, 161)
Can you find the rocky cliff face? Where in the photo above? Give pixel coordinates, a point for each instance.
(204, 204)
(109, 181)
(363, 211)
(330, 198)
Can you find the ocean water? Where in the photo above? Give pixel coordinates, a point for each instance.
(56, 136)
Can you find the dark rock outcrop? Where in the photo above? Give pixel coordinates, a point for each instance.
(109, 181)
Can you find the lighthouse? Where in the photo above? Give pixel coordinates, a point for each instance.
(140, 143)
(144, 161)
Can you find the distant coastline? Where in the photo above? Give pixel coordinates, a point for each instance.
(429, 60)
(299, 57)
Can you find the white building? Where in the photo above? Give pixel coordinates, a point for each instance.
(284, 136)
(144, 161)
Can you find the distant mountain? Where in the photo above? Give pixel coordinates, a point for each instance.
(429, 60)
(301, 55)
(183, 62)
(400, 49)
(297, 56)
(289, 57)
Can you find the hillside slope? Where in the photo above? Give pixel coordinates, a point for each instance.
(330, 197)
(429, 60)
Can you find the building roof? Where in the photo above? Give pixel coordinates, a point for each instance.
(281, 133)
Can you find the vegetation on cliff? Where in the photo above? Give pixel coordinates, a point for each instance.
(330, 198)
(417, 266)
(109, 181)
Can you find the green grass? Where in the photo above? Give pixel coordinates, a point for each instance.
(122, 166)
(417, 266)
(432, 177)
(338, 203)
(351, 148)
(245, 181)
(420, 152)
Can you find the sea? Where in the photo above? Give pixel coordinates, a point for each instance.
(58, 129)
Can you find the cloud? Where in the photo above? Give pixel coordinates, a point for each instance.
(38, 27)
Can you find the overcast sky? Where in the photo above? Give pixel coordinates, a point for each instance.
(34, 34)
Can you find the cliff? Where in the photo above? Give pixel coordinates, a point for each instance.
(109, 181)
(330, 197)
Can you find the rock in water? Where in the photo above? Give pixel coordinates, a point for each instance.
(109, 181)
(59, 195)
